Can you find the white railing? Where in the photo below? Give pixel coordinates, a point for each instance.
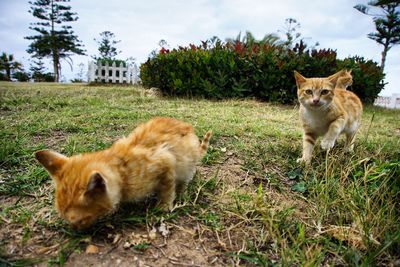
(104, 73)
(388, 101)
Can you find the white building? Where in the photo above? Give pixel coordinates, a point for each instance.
(104, 73)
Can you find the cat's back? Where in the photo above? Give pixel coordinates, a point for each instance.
(350, 102)
(161, 130)
(164, 125)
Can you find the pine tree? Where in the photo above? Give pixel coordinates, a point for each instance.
(107, 43)
(38, 70)
(54, 39)
(387, 24)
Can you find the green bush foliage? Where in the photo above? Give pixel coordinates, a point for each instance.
(21, 76)
(3, 77)
(104, 61)
(220, 70)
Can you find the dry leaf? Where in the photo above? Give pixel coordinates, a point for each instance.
(46, 250)
(109, 225)
(349, 234)
(134, 240)
(116, 238)
(92, 249)
(153, 234)
(163, 230)
(127, 244)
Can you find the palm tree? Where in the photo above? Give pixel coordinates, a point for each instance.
(249, 40)
(8, 64)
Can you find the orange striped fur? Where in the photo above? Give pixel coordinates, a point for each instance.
(327, 109)
(345, 80)
(159, 156)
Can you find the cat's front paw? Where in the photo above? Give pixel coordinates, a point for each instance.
(350, 148)
(303, 160)
(327, 144)
(165, 206)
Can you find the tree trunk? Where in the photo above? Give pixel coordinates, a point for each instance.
(384, 53)
(8, 72)
(53, 46)
(55, 65)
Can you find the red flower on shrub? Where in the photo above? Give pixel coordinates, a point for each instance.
(256, 48)
(266, 47)
(193, 47)
(239, 48)
(164, 51)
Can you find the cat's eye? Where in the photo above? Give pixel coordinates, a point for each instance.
(324, 92)
(309, 92)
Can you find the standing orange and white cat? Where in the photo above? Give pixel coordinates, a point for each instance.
(159, 157)
(345, 80)
(326, 111)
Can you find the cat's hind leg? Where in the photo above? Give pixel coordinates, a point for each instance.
(162, 167)
(166, 190)
(181, 187)
(351, 136)
(349, 147)
(184, 176)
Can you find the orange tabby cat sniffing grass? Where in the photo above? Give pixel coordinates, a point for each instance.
(159, 156)
(327, 111)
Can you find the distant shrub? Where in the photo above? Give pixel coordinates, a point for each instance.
(3, 77)
(38, 76)
(21, 76)
(239, 70)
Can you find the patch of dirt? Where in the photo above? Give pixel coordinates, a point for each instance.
(182, 243)
(181, 247)
(52, 140)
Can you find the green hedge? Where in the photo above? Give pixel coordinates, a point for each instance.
(238, 70)
(104, 61)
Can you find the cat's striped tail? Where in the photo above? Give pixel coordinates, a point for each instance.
(204, 143)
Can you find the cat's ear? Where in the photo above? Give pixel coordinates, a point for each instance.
(300, 79)
(334, 77)
(51, 160)
(97, 184)
(349, 71)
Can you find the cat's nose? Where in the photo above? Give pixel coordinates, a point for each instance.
(315, 101)
(80, 225)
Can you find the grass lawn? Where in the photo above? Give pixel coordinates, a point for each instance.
(249, 204)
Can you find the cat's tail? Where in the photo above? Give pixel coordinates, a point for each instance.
(205, 142)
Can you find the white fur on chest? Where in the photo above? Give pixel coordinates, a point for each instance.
(316, 120)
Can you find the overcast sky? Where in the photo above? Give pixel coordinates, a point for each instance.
(141, 24)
